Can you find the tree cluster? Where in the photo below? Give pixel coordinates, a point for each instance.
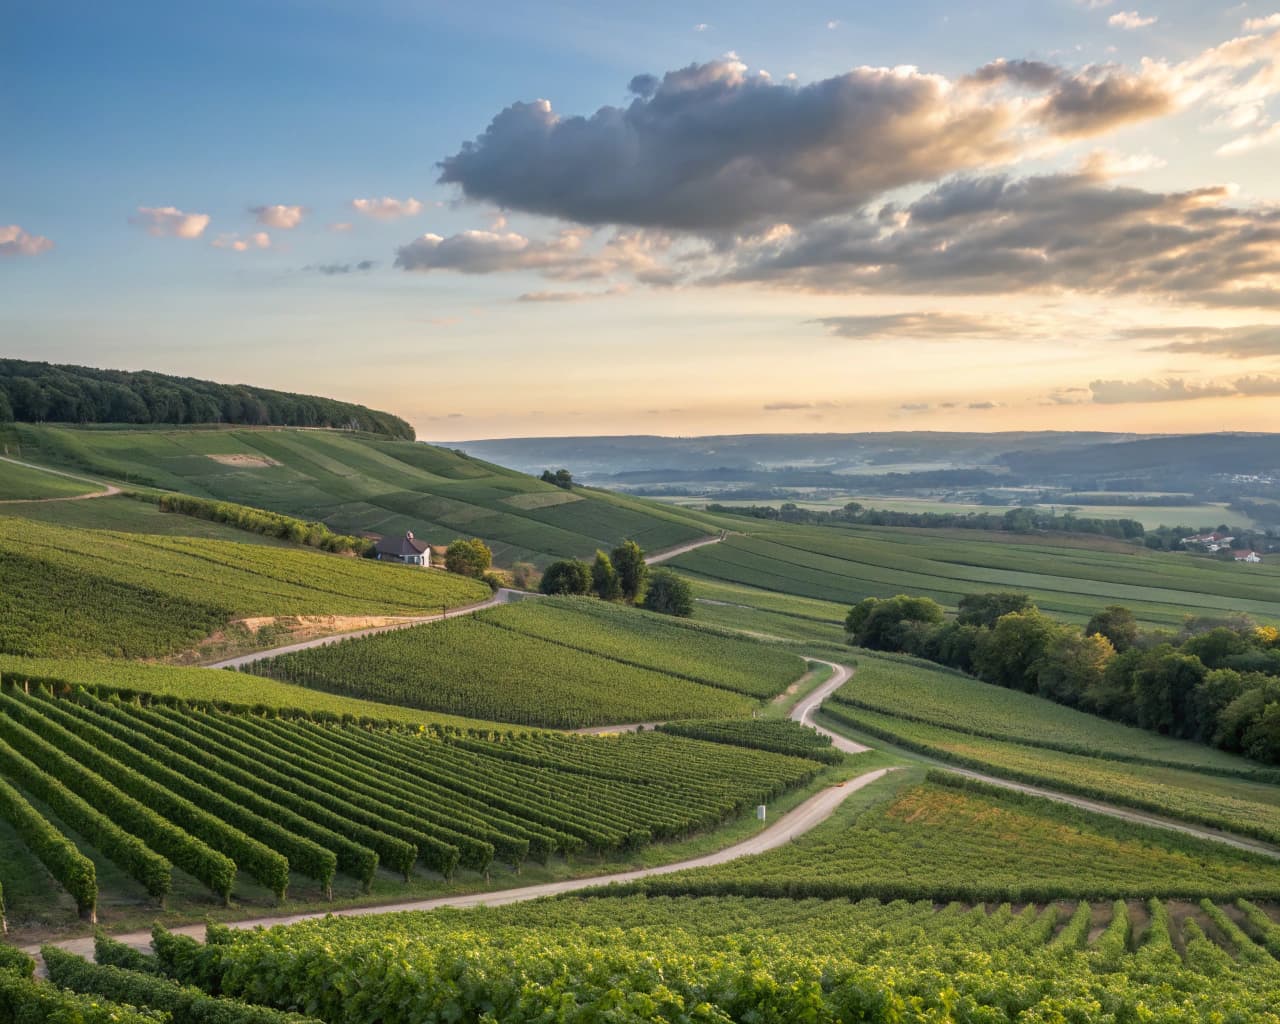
(33, 392)
(560, 478)
(1215, 681)
(621, 576)
(1015, 520)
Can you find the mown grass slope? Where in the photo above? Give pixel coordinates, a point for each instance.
(361, 483)
(1069, 578)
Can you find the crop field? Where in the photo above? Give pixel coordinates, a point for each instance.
(19, 483)
(639, 958)
(937, 696)
(533, 663)
(1236, 805)
(767, 612)
(70, 592)
(782, 736)
(356, 483)
(1070, 580)
(228, 690)
(945, 839)
(244, 804)
(128, 515)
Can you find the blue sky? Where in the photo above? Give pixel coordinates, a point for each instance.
(638, 315)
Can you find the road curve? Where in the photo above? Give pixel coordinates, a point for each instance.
(802, 819)
(805, 708)
(108, 490)
(681, 549)
(503, 596)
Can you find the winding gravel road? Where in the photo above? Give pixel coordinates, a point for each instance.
(108, 490)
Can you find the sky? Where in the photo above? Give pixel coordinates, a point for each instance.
(512, 219)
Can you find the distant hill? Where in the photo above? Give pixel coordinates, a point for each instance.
(1205, 454)
(359, 483)
(33, 392)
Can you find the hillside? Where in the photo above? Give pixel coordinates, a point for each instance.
(359, 483)
(34, 392)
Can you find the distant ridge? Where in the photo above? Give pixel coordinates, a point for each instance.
(37, 392)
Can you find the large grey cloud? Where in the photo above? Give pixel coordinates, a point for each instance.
(714, 148)
(1066, 231)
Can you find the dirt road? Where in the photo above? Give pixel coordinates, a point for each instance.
(503, 596)
(661, 556)
(803, 712)
(108, 490)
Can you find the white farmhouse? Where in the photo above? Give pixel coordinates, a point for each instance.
(407, 550)
(1247, 556)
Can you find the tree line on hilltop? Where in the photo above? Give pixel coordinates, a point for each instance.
(1216, 681)
(35, 392)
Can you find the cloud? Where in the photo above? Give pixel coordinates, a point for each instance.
(14, 241)
(714, 147)
(935, 326)
(566, 296)
(1130, 20)
(1064, 232)
(786, 406)
(387, 208)
(984, 405)
(915, 406)
(162, 221)
(237, 243)
(1262, 24)
(284, 217)
(702, 26)
(341, 226)
(1067, 396)
(335, 269)
(1251, 342)
(1172, 389)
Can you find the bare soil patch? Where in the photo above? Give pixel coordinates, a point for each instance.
(242, 461)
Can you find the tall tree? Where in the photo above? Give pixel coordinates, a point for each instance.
(628, 560)
(604, 578)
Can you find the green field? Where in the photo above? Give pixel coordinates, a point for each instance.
(944, 840)
(360, 483)
(20, 483)
(638, 959)
(921, 692)
(67, 592)
(551, 662)
(246, 805)
(128, 515)
(1066, 577)
(1236, 805)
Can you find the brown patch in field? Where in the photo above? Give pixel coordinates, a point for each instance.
(242, 461)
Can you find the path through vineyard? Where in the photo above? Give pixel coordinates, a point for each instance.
(108, 490)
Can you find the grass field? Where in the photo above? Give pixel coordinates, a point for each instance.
(739, 959)
(1068, 578)
(19, 483)
(70, 592)
(358, 483)
(1150, 516)
(1236, 805)
(128, 515)
(560, 663)
(937, 696)
(941, 839)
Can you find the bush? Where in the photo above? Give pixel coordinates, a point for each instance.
(669, 594)
(25, 1000)
(12, 959)
(468, 557)
(567, 577)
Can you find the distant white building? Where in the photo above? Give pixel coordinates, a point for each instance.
(1247, 556)
(407, 550)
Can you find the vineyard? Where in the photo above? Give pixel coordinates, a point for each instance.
(356, 483)
(558, 663)
(782, 736)
(920, 692)
(685, 960)
(947, 839)
(232, 799)
(846, 564)
(1236, 805)
(69, 592)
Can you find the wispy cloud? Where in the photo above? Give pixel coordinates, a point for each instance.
(924, 326)
(1176, 389)
(1250, 342)
(336, 269)
(387, 208)
(162, 221)
(15, 241)
(1131, 20)
(239, 243)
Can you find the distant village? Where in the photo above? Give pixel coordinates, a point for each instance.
(1213, 543)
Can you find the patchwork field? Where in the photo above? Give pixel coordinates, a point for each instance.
(551, 662)
(66, 592)
(945, 840)
(361, 483)
(1070, 579)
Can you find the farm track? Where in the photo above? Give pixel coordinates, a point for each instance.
(682, 549)
(108, 490)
